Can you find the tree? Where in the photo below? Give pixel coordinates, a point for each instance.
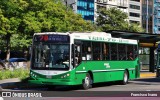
(20, 42)
(10, 19)
(115, 19)
(51, 15)
(135, 27)
(20, 18)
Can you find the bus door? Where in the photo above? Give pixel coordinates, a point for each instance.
(75, 56)
(158, 61)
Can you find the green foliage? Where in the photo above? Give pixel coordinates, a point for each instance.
(48, 15)
(19, 41)
(30, 16)
(19, 19)
(74, 22)
(115, 19)
(17, 73)
(133, 27)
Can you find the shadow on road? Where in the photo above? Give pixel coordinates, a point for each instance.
(148, 79)
(22, 86)
(63, 88)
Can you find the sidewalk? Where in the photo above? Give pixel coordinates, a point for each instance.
(146, 74)
(9, 80)
(9, 83)
(14, 83)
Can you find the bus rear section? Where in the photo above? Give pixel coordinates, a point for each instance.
(105, 61)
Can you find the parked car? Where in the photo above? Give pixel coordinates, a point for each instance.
(13, 62)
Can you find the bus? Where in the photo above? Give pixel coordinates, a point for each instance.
(78, 58)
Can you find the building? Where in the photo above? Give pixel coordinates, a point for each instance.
(156, 17)
(135, 11)
(89, 8)
(121, 4)
(147, 17)
(83, 7)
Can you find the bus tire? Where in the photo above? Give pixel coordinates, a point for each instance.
(87, 82)
(125, 78)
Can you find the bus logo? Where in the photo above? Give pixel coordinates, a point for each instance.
(107, 65)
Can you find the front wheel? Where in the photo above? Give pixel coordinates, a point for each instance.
(87, 82)
(125, 78)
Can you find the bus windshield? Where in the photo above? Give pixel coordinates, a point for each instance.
(50, 56)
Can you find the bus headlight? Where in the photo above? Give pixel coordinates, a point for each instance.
(67, 74)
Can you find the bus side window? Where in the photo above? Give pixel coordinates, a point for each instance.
(122, 51)
(130, 57)
(77, 54)
(86, 50)
(113, 51)
(130, 52)
(96, 50)
(135, 51)
(105, 51)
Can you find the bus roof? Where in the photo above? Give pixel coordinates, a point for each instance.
(93, 36)
(101, 36)
(47, 33)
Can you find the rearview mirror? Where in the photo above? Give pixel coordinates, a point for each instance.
(30, 49)
(78, 48)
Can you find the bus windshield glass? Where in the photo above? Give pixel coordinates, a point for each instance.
(50, 55)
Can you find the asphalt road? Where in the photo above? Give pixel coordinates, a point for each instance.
(112, 89)
(143, 84)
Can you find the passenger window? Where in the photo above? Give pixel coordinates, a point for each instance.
(113, 51)
(105, 51)
(96, 51)
(86, 50)
(122, 51)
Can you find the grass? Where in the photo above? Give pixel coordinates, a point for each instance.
(17, 73)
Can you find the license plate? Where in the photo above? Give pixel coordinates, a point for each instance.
(48, 76)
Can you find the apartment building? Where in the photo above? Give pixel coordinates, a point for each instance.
(121, 4)
(83, 7)
(135, 11)
(156, 17)
(89, 8)
(147, 15)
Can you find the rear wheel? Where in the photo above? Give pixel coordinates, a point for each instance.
(87, 82)
(125, 78)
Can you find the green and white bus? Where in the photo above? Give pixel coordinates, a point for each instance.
(75, 58)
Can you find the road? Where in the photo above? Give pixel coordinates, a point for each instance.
(143, 84)
(103, 90)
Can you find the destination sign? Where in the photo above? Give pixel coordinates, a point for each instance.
(51, 38)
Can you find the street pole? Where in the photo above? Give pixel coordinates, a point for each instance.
(147, 19)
